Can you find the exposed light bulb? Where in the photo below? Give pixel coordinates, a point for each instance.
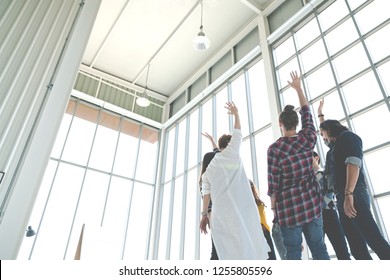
(201, 42)
(143, 101)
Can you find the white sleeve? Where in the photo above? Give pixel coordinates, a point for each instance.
(205, 185)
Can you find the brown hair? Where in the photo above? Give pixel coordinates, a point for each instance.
(289, 117)
(255, 194)
(224, 140)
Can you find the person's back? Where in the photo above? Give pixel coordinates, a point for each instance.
(235, 222)
(233, 207)
(292, 184)
(292, 157)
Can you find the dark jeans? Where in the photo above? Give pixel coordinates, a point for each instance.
(362, 230)
(214, 255)
(335, 233)
(271, 254)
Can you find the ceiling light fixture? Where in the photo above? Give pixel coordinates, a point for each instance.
(143, 100)
(201, 42)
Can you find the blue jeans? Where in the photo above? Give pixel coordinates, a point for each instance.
(362, 230)
(335, 233)
(278, 240)
(314, 235)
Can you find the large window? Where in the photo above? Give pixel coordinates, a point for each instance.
(101, 174)
(179, 227)
(343, 61)
(103, 167)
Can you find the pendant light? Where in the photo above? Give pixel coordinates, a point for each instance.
(201, 42)
(143, 100)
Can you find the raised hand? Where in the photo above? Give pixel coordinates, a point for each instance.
(232, 109)
(295, 80)
(208, 136)
(296, 84)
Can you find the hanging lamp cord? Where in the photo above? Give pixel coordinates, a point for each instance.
(201, 14)
(147, 77)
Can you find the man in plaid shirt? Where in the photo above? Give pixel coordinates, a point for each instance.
(292, 184)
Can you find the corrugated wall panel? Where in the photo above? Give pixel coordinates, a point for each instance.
(117, 95)
(42, 64)
(86, 84)
(32, 34)
(18, 68)
(4, 5)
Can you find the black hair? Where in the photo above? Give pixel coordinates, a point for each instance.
(333, 127)
(289, 117)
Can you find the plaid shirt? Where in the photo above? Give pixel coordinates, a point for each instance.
(291, 177)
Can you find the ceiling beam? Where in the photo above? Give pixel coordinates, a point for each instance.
(272, 7)
(109, 34)
(252, 5)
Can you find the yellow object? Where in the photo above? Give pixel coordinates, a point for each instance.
(263, 220)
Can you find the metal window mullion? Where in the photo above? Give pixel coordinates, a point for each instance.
(198, 195)
(171, 206)
(158, 194)
(230, 96)
(255, 176)
(52, 181)
(98, 87)
(373, 68)
(214, 116)
(184, 195)
(82, 183)
(153, 200)
(131, 192)
(382, 195)
(111, 172)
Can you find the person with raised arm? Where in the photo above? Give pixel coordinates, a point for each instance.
(235, 221)
(292, 183)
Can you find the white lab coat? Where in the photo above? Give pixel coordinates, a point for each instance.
(235, 221)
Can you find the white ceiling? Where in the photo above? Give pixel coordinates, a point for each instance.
(130, 34)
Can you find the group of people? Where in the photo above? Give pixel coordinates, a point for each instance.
(305, 200)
